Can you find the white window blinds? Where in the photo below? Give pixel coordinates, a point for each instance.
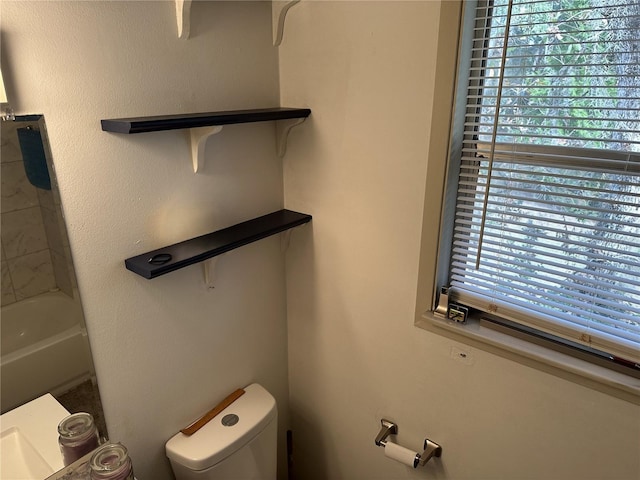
(547, 224)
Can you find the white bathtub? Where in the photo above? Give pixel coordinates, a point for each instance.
(44, 348)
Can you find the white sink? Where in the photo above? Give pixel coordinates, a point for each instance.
(20, 459)
(29, 440)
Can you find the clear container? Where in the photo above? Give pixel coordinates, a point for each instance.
(78, 436)
(111, 462)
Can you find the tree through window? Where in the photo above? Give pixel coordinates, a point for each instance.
(547, 225)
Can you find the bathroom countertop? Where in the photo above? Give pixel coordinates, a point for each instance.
(78, 470)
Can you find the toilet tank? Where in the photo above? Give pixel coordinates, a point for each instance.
(239, 443)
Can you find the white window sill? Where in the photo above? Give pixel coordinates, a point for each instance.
(566, 366)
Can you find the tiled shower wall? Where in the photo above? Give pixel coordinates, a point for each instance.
(35, 249)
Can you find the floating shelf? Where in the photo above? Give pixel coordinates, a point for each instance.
(164, 260)
(195, 120)
(204, 125)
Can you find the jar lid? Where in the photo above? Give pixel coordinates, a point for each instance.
(76, 426)
(109, 459)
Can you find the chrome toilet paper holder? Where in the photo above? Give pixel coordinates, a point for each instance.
(431, 448)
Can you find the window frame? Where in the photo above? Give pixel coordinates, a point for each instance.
(544, 353)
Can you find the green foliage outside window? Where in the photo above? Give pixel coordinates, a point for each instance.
(564, 236)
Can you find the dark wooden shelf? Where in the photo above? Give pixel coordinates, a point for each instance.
(194, 120)
(164, 260)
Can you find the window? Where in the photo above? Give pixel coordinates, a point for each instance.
(544, 179)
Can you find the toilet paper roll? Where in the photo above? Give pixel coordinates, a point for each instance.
(400, 454)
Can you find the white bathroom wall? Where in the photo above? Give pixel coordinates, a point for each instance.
(368, 72)
(165, 350)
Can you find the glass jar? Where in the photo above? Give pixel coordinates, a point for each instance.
(78, 436)
(111, 462)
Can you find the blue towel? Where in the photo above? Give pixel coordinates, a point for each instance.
(33, 157)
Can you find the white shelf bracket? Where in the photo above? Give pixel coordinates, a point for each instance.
(283, 127)
(198, 137)
(209, 268)
(279, 9)
(285, 240)
(183, 17)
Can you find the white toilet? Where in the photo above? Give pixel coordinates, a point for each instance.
(238, 444)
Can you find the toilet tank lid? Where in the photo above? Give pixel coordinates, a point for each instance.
(214, 442)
